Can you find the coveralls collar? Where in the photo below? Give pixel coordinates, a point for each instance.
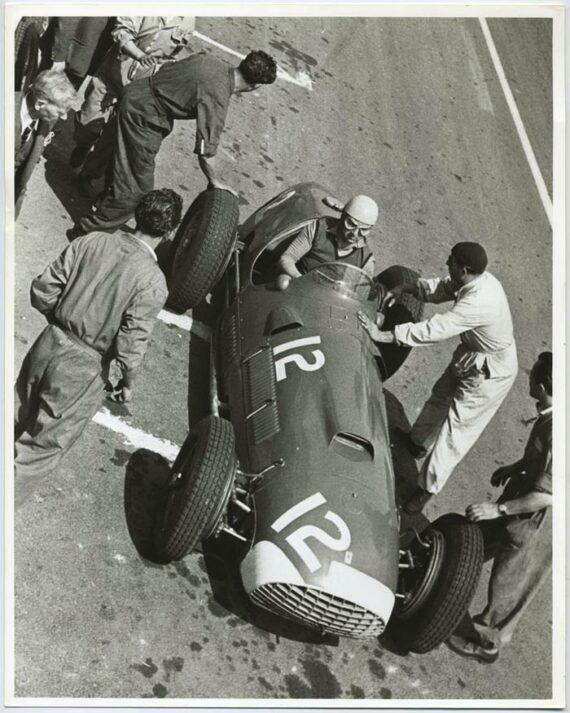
(470, 285)
(146, 245)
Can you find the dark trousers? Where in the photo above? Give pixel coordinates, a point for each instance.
(141, 127)
(59, 389)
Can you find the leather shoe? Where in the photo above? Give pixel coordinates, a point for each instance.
(486, 652)
(413, 448)
(417, 502)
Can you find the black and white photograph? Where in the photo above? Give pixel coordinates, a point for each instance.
(284, 329)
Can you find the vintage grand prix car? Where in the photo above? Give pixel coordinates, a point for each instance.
(295, 458)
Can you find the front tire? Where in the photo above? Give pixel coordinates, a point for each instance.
(202, 479)
(445, 587)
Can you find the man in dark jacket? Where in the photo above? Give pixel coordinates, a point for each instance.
(199, 87)
(48, 100)
(101, 298)
(517, 529)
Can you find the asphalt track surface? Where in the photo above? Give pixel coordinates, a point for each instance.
(410, 111)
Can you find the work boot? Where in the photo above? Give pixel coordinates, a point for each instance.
(416, 503)
(413, 448)
(483, 651)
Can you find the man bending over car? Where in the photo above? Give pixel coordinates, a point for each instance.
(329, 239)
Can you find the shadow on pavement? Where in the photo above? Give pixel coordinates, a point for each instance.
(145, 492)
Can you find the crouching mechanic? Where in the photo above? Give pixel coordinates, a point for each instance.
(517, 530)
(330, 239)
(101, 298)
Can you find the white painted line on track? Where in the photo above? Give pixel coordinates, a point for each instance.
(530, 157)
(135, 436)
(185, 322)
(301, 79)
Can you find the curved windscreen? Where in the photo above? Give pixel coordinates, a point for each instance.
(348, 280)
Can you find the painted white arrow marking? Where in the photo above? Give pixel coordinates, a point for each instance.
(301, 79)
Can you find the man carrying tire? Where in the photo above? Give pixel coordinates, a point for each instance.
(198, 87)
(329, 239)
(517, 530)
(479, 376)
(101, 298)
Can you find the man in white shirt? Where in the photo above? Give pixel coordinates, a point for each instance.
(480, 374)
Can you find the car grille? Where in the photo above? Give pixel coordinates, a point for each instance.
(320, 610)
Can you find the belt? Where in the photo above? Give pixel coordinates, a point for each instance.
(82, 345)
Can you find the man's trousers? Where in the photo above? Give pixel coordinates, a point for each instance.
(522, 551)
(453, 418)
(60, 387)
(141, 127)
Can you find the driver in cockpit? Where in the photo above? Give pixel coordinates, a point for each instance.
(330, 239)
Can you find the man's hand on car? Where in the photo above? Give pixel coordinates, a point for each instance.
(373, 330)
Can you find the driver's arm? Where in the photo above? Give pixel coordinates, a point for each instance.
(301, 245)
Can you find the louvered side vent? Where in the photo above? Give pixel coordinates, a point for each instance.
(230, 347)
(260, 396)
(319, 610)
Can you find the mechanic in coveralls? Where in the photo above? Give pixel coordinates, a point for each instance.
(329, 239)
(480, 375)
(198, 87)
(517, 530)
(101, 298)
(141, 45)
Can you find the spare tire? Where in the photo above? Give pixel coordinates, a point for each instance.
(202, 479)
(444, 589)
(202, 247)
(406, 309)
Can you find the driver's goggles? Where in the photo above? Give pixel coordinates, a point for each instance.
(355, 226)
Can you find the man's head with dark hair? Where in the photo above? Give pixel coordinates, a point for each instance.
(258, 68)
(471, 256)
(541, 375)
(158, 212)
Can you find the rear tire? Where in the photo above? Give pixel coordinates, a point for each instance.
(206, 465)
(406, 309)
(453, 588)
(202, 247)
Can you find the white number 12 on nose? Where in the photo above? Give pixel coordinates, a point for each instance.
(297, 539)
(298, 359)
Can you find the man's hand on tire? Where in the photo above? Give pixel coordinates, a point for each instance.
(392, 295)
(222, 187)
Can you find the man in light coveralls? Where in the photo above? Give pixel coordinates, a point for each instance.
(480, 374)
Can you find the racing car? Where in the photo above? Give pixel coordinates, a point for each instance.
(295, 457)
